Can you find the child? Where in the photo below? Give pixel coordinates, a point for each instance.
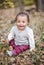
(21, 36)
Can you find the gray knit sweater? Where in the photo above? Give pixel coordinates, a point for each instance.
(24, 37)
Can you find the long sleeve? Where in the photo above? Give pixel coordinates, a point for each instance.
(11, 38)
(11, 34)
(31, 40)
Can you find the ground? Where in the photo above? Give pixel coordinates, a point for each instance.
(7, 17)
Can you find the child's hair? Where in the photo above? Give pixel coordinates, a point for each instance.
(22, 13)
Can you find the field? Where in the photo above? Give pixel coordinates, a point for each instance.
(7, 17)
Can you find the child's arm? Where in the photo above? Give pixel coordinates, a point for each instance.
(31, 40)
(11, 38)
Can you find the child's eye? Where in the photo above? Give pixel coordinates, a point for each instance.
(23, 21)
(18, 21)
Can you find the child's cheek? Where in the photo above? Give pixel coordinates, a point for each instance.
(18, 24)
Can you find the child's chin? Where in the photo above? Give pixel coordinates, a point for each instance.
(21, 28)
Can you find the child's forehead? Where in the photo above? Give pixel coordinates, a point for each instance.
(22, 16)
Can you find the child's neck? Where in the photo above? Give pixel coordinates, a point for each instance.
(21, 30)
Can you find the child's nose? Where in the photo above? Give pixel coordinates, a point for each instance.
(21, 22)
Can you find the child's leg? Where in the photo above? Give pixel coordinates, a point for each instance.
(15, 51)
(19, 49)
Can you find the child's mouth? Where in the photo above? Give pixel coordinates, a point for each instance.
(21, 26)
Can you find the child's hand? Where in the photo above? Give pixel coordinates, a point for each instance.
(10, 48)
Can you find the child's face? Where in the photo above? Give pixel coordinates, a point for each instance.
(21, 22)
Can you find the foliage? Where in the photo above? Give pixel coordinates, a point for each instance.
(25, 58)
(28, 2)
(22, 59)
(42, 33)
(12, 3)
(1, 1)
(7, 4)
